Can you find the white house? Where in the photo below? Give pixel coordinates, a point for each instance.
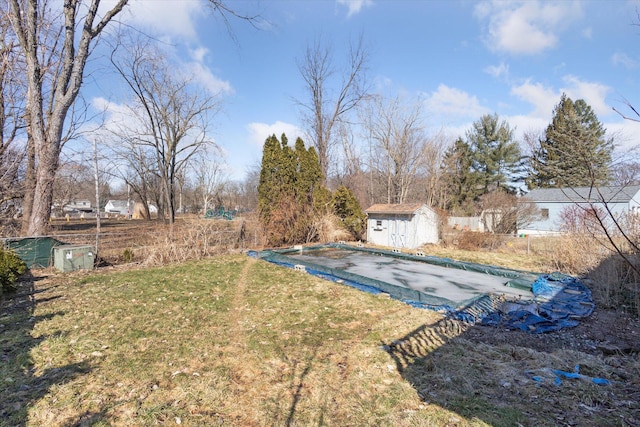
(406, 225)
(120, 207)
(77, 205)
(552, 202)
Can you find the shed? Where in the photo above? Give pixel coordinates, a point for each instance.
(407, 225)
(552, 202)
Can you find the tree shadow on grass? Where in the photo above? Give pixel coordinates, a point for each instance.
(299, 386)
(20, 386)
(511, 377)
(432, 361)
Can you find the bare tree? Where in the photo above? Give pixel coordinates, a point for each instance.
(74, 181)
(50, 99)
(248, 188)
(434, 188)
(211, 176)
(399, 144)
(12, 124)
(55, 43)
(327, 104)
(350, 169)
(505, 213)
(135, 166)
(170, 114)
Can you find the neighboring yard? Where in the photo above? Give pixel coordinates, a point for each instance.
(231, 340)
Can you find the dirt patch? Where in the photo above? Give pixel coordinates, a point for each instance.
(605, 332)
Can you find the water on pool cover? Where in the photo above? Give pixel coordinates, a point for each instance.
(451, 283)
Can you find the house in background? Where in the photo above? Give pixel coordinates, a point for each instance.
(119, 207)
(486, 222)
(78, 206)
(552, 202)
(408, 225)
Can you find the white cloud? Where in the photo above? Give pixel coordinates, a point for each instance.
(206, 78)
(626, 134)
(498, 70)
(447, 101)
(166, 17)
(259, 132)
(525, 27)
(115, 114)
(544, 99)
(593, 93)
(355, 6)
(198, 54)
(620, 58)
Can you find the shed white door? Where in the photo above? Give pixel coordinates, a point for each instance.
(398, 232)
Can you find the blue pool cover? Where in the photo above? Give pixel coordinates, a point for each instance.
(535, 303)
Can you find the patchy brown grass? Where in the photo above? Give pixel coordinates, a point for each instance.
(235, 341)
(158, 243)
(229, 340)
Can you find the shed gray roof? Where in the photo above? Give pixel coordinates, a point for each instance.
(405, 208)
(584, 194)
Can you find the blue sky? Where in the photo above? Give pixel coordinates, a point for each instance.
(463, 59)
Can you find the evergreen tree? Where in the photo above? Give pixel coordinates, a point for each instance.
(347, 208)
(496, 157)
(308, 172)
(459, 179)
(289, 180)
(489, 160)
(273, 176)
(575, 151)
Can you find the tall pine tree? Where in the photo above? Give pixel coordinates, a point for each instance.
(575, 151)
(462, 188)
(489, 160)
(496, 156)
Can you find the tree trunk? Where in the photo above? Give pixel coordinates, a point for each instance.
(48, 155)
(29, 185)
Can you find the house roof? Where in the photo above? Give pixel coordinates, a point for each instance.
(404, 208)
(584, 194)
(118, 203)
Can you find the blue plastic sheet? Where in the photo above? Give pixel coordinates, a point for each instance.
(560, 301)
(564, 301)
(557, 375)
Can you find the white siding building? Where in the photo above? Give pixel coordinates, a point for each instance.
(407, 225)
(553, 202)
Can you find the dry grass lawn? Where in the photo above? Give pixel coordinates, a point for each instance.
(236, 341)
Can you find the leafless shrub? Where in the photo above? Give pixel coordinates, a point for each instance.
(469, 240)
(616, 285)
(329, 229)
(577, 253)
(195, 240)
(505, 212)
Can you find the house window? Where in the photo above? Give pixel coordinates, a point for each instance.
(545, 213)
(378, 225)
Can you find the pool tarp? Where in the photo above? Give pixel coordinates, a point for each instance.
(36, 252)
(556, 300)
